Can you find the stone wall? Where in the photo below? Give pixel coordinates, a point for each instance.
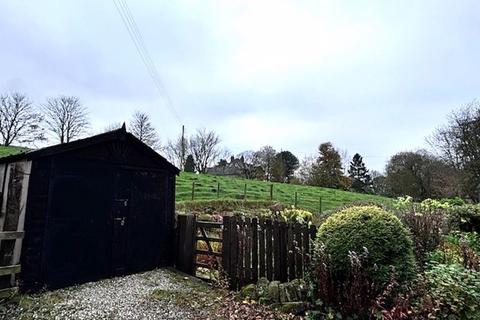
(289, 297)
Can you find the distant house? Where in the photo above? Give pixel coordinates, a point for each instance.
(235, 168)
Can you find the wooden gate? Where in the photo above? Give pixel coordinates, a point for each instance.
(250, 248)
(199, 244)
(208, 252)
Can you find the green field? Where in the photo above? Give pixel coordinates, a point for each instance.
(234, 188)
(6, 151)
(310, 198)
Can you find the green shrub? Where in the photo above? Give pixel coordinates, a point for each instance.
(472, 239)
(454, 290)
(296, 215)
(446, 254)
(457, 201)
(403, 202)
(319, 219)
(433, 204)
(465, 218)
(221, 205)
(379, 232)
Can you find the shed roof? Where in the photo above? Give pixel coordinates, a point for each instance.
(119, 134)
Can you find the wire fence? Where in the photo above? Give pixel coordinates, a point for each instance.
(268, 192)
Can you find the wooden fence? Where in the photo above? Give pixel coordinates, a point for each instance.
(216, 191)
(250, 248)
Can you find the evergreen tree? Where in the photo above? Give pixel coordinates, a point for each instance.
(189, 164)
(327, 170)
(358, 172)
(284, 166)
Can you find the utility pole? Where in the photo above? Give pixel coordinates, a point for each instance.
(182, 165)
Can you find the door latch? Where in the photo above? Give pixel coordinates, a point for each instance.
(124, 201)
(122, 221)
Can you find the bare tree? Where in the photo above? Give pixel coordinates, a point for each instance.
(248, 163)
(265, 159)
(458, 143)
(345, 156)
(177, 151)
(66, 118)
(142, 128)
(305, 171)
(204, 147)
(420, 175)
(19, 122)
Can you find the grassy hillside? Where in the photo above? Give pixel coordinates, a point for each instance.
(6, 151)
(234, 188)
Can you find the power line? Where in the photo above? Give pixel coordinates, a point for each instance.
(141, 45)
(137, 39)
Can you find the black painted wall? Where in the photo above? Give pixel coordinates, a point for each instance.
(73, 226)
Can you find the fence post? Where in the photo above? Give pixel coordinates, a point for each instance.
(269, 255)
(233, 247)
(296, 199)
(245, 192)
(186, 243)
(226, 234)
(271, 192)
(320, 205)
(248, 251)
(218, 190)
(276, 251)
(261, 246)
(193, 190)
(254, 234)
(283, 243)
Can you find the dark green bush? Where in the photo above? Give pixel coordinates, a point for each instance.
(457, 201)
(472, 239)
(380, 232)
(465, 218)
(461, 248)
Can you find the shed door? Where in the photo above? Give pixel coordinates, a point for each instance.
(119, 235)
(76, 237)
(120, 222)
(138, 221)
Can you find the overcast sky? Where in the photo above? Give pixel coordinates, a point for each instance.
(374, 77)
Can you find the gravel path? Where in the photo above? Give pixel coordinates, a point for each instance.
(130, 297)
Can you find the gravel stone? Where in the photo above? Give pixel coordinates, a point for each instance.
(119, 298)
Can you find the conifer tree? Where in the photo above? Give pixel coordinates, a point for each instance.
(189, 164)
(358, 172)
(327, 170)
(284, 166)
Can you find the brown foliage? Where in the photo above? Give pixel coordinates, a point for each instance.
(427, 228)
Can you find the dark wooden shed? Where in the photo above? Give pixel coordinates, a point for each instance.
(90, 209)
